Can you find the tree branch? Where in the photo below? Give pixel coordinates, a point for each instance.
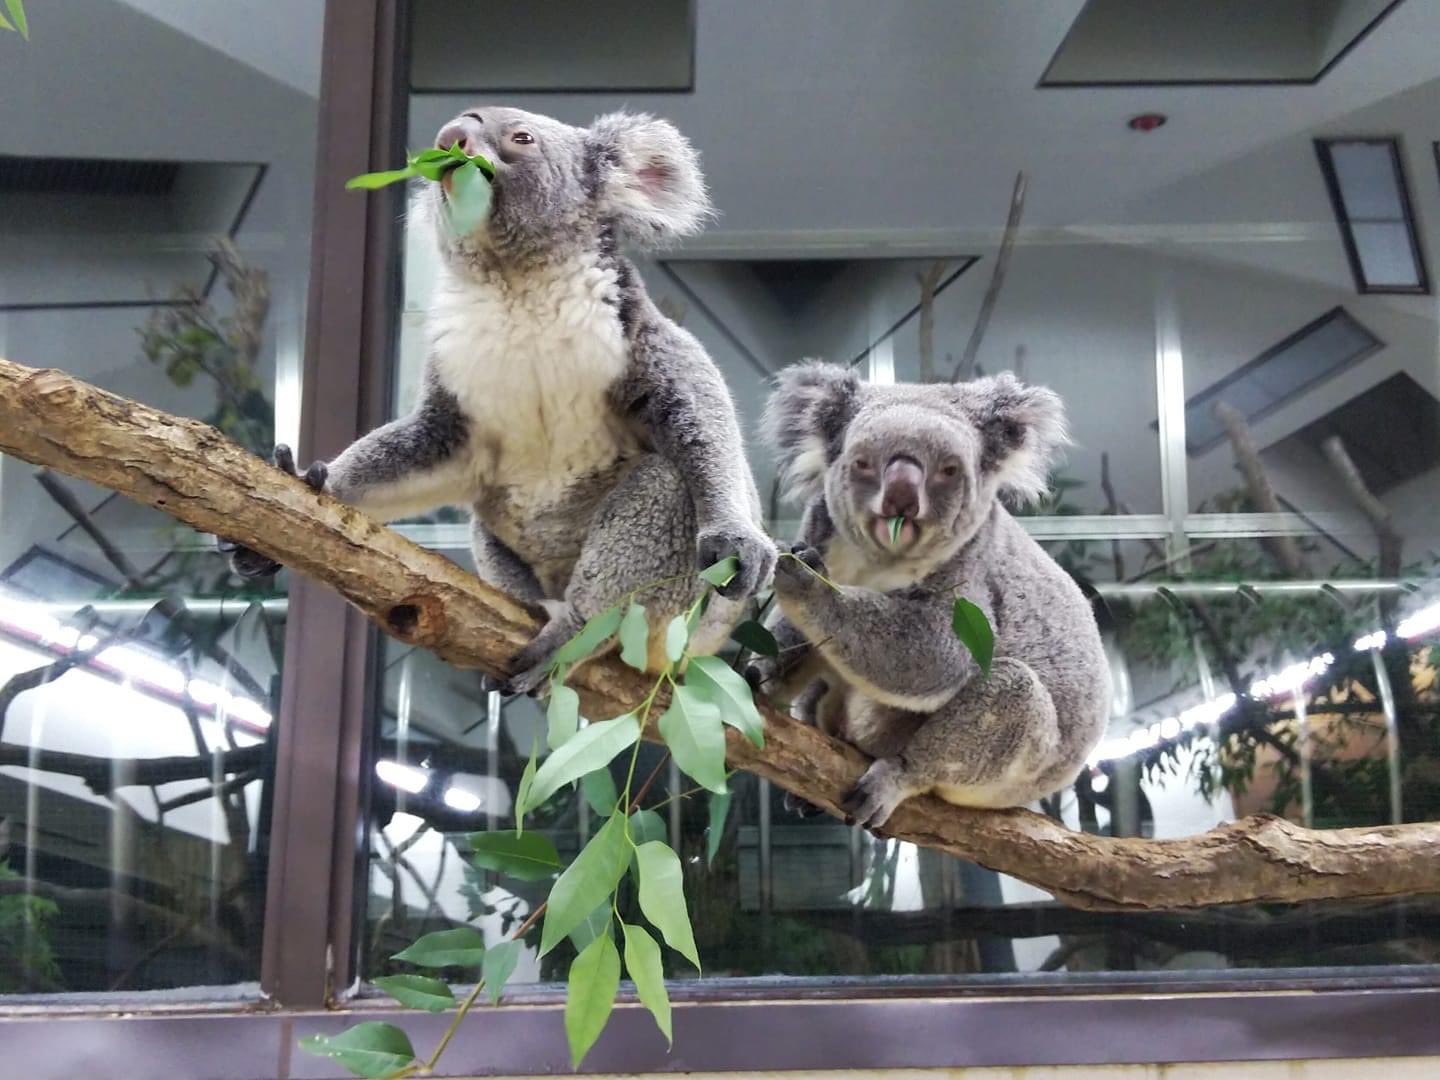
(192, 472)
(1283, 549)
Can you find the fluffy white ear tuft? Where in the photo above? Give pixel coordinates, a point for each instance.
(1023, 430)
(649, 179)
(805, 421)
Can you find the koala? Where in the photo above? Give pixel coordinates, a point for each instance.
(868, 649)
(593, 439)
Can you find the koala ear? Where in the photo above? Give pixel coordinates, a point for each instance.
(648, 179)
(1022, 429)
(805, 421)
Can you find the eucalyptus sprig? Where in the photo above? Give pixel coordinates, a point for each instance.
(583, 905)
(469, 197)
(16, 23)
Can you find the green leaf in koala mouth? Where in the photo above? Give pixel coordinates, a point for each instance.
(896, 524)
(430, 164)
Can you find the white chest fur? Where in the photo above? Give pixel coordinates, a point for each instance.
(530, 361)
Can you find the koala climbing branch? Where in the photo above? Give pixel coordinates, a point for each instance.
(190, 471)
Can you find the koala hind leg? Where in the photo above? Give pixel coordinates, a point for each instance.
(642, 532)
(992, 745)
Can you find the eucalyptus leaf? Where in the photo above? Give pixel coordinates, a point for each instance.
(591, 636)
(590, 995)
(17, 17)
(6, 25)
(593, 747)
(692, 730)
(755, 637)
(646, 825)
(973, 629)
(417, 991)
(461, 947)
(662, 897)
(592, 926)
(677, 636)
(896, 524)
(586, 882)
(368, 1049)
(526, 785)
(634, 637)
(524, 857)
(599, 789)
(722, 685)
(647, 972)
(720, 573)
(715, 830)
(562, 715)
(469, 199)
(499, 965)
(371, 181)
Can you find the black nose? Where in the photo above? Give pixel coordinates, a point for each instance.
(463, 130)
(900, 489)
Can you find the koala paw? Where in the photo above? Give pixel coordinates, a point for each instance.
(800, 807)
(801, 571)
(752, 547)
(250, 564)
(871, 802)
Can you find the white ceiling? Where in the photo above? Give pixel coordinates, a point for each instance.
(915, 115)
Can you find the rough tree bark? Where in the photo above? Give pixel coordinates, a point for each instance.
(192, 472)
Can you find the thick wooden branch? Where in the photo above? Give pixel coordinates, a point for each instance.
(190, 471)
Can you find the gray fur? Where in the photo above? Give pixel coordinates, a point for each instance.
(593, 439)
(904, 689)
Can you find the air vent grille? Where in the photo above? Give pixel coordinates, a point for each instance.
(87, 176)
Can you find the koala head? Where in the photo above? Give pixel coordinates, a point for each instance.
(935, 456)
(628, 179)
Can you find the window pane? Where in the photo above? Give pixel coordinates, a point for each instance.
(1147, 270)
(1366, 175)
(158, 197)
(1385, 254)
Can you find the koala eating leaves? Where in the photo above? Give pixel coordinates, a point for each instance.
(594, 440)
(876, 660)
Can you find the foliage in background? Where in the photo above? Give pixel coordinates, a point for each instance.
(26, 960)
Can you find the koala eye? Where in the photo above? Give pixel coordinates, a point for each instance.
(950, 470)
(522, 138)
(864, 467)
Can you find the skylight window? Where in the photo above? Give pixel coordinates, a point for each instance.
(1282, 372)
(1367, 188)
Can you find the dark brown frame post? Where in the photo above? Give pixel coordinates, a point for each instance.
(319, 776)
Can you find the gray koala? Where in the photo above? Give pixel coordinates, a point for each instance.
(875, 659)
(593, 438)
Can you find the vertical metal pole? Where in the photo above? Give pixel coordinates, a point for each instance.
(1170, 407)
(1392, 734)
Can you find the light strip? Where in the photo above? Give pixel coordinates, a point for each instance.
(404, 777)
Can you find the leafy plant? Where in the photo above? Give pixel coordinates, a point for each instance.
(23, 940)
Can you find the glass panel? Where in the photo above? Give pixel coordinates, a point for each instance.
(1385, 255)
(1137, 253)
(1368, 185)
(167, 261)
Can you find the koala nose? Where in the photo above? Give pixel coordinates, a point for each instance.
(464, 131)
(901, 486)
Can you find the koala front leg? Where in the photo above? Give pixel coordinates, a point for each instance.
(992, 745)
(897, 648)
(408, 466)
(678, 399)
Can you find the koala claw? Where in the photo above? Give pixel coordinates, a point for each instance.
(802, 571)
(250, 564)
(876, 796)
(750, 546)
(801, 808)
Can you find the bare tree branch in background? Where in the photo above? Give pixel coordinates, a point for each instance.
(928, 281)
(1282, 549)
(966, 368)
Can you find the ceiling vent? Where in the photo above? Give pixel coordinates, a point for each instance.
(111, 232)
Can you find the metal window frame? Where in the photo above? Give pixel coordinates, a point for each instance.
(1342, 218)
(318, 846)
